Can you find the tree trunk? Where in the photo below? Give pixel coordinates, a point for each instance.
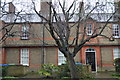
(72, 67)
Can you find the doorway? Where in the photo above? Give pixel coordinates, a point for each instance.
(90, 58)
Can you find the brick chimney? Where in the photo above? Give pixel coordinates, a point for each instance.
(45, 8)
(81, 6)
(11, 8)
(11, 15)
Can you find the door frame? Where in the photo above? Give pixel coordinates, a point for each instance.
(95, 57)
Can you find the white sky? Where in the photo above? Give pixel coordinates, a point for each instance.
(28, 3)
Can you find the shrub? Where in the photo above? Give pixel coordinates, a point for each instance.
(116, 75)
(48, 70)
(117, 65)
(4, 71)
(83, 71)
(62, 71)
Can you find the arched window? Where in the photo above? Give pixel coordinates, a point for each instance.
(90, 50)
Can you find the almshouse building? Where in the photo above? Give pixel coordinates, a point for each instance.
(33, 46)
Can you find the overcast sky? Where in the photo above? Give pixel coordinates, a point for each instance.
(28, 3)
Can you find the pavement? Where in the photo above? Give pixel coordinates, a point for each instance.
(104, 76)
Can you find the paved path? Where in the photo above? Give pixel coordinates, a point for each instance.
(103, 75)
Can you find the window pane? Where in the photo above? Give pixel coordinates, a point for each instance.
(116, 31)
(24, 56)
(61, 58)
(116, 52)
(25, 32)
(89, 29)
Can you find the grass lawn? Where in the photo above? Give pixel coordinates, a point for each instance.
(116, 75)
(8, 77)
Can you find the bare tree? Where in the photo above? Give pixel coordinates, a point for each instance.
(60, 28)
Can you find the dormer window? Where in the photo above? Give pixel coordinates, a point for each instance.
(89, 29)
(116, 31)
(25, 32)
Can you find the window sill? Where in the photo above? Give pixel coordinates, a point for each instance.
(89, 34)
(116, 37)
(24, 39)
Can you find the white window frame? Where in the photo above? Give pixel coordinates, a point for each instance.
(25, 32)
(89, 29)
(116, 30)
(61, 58)
(24, 56)
(116, 52)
